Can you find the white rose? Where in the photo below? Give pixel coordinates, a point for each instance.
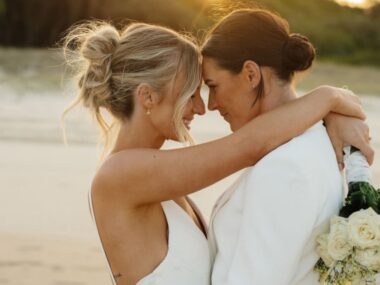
(377, 278)
(338, 245)
(322, 250)
(369, 258)
(364, 228)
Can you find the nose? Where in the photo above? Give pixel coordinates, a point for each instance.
(212, 104)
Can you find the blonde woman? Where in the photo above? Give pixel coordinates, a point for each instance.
(147, 77)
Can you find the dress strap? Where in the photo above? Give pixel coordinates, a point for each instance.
(100, 240)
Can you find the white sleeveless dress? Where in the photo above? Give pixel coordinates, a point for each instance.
(188, 259)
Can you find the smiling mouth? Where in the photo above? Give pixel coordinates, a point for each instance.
(187, 123)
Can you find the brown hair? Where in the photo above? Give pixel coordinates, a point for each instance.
(261, 36)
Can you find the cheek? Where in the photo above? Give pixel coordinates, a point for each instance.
(231, 99)
(188, 109)
(240, 108)
(165, 121)
(162, 119)
(224, 96)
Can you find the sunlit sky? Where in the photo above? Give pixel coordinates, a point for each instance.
(353, 3)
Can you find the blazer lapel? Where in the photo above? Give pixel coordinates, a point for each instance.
(223, 199)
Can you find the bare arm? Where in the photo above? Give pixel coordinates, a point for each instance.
(142, 176)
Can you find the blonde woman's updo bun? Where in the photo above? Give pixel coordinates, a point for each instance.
(98, 49)
(111, 64)
(101, 44)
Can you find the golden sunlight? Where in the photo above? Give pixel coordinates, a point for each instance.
(354, 3)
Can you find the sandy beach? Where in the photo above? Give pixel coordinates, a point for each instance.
(46, 232)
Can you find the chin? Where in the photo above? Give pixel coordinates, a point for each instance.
(231, 125)
(173, 137)
(235, 128)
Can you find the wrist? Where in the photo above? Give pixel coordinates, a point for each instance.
(329, 118)
(333, 97)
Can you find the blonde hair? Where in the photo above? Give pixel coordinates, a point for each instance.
(111, 64)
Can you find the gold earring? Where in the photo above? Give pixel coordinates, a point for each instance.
(148, 112)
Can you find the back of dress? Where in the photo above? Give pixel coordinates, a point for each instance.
(187, 261)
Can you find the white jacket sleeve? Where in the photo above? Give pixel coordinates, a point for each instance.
(279, 213)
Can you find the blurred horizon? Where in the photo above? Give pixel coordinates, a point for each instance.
(364, 4)
(340, 32)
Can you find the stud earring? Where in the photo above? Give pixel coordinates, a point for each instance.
(148, 112)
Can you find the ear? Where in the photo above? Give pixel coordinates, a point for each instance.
(251, 72)
(146, 96)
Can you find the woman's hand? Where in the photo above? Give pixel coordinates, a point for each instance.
(348, 102)
(345, 102)
(345, 131)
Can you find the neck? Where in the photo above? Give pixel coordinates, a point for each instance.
(276, 94)
(137, 133)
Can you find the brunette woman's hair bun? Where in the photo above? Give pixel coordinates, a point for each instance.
(298, 53)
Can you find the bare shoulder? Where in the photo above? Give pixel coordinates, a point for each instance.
(118, 169)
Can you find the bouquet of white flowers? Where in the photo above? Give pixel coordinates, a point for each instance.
(350, 252)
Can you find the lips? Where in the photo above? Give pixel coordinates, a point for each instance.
(224, 115)
(187, 123)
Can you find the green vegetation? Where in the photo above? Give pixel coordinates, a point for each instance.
(2, 8)
(340, 33)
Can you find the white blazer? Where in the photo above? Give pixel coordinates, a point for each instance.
(263, 228)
